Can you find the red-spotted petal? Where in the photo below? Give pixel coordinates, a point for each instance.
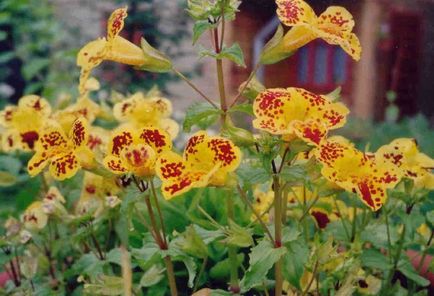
(36, 104)
(52, 139)
(115, 165)
(115, 22)
(37, 163)
(295, 12)
(311, 131)
(120, 139)
(158, 139)
(6, 115)
(79, 133)
(64, 166)
(177, 176)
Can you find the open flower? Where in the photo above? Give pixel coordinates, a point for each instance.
(404, 154)
(135, 151)
(147, 111)
(357, 172)
(297, 112)
(22, 123)
(334, 26)
(117, 49)
(65, 154)
(34, 217)
(262, 201)
(93, 193)
(206, 161)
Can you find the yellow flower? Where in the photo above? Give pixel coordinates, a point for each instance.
(262, 202)
(117, 49)
(206, 161)
(295, 111)
(34, 216)
(114, 48)
(334, 26)
(84, 108)
(357, 172)
(135, 151)
(404, 154)
(94, 190)
(147, 111)
(22, 123)
(65, 154)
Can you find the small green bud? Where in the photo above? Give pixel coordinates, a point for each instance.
(239, 136)
(253, 88)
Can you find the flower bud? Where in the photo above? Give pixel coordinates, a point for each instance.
(239, 136)
(253, 88)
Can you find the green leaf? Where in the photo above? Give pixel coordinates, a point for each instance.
(152, 276)
(233, 53)
(245, 108)
(252, 175)
(200, 27)
(201, 114)
(221, 270)
(408, 270)
(294, 261)
(6, 56)
(261, 260)
(220, 293)
(33, 68)
(373, 258)
(238, 236)
(7, 179)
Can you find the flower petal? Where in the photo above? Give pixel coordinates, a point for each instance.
(125, 110)
(89, 57)
(225, 153)
(298, 37)
(311, 131)
(35, 104)
(64, 166)
(125, 52)
(158, 139)
(176, 176)
(336, 20)
(115, 164)
(53, 139)
(6, 115)
(170, 126)
(34, 216)
(268, 107)
(54, 194)
(139, 159)
(79, 133)
(121, 138)
(295, 12)
(37, 163)
(115, 23)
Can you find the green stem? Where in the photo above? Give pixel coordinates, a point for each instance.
(201, 271)
(257, 215)
(160, 215)
(354, 225)
(342, 219)
(389, 241)
(232, 251)
(171, 276)
(277, 233)
(252, 74)
(194, 87)
(220, 77)
(395, 259)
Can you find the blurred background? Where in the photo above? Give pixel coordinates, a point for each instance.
(390, 91)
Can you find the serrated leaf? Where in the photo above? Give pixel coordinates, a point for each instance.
(152, 276)
(238, 236)
(261, 260)
(200, 27)
(201, 114)
(294, 261)
(221, 269)
(233, 53)
(375, 259)
(245, 108)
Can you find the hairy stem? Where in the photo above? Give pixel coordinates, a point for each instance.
(257, 215)
(232, 251)
(194, 87)
(277, 233)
